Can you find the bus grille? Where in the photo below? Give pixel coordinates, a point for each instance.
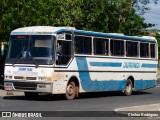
(18, 77)
(25, 85)
(31, 78)
(24, 78)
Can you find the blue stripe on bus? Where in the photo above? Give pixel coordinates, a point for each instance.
(94, 85)
(115, 35)
(145, 65)
(106, 64)
(109, 35)
(105, 85)
(62, 30)
(143, 84)
(117, 64)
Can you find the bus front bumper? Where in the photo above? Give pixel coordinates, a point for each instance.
(28, 86)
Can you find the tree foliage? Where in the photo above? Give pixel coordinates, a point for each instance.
(96, 15)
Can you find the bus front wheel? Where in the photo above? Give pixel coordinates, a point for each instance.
(128, 89)
(71, 90)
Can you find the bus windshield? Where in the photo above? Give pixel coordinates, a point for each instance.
(33, 46)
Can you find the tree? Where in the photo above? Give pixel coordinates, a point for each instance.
(96, 15)
(20, 13)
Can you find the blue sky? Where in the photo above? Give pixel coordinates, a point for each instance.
(153, 15)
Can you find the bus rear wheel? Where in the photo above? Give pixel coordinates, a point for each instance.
(128, 89)
(71, 90)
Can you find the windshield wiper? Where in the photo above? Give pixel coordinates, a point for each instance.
(17, 58)
(33, 61)
(26, 56)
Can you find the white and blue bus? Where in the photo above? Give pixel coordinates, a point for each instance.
(64, 60)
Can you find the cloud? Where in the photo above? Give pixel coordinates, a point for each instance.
(153, 15)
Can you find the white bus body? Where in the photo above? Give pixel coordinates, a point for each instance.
(78, 72)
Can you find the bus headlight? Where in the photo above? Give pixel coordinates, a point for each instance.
(8, 77)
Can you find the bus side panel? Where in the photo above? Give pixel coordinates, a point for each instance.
(97, 80)
(144, 84)
(104, 74)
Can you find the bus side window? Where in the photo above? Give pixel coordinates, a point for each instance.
(131, 49)
(152, 50)
(83, 45)
(100, 46)
(117, 47)
(144, 50)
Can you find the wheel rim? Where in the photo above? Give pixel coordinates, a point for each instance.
(128, 88)
(70, 90)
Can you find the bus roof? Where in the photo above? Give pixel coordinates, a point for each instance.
(36, 30)
(48, 30)
(117, 36)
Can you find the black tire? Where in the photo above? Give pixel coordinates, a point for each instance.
(71, 91)
(128, 89)
(31, 95)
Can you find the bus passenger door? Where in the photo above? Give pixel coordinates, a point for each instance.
(63, 52)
